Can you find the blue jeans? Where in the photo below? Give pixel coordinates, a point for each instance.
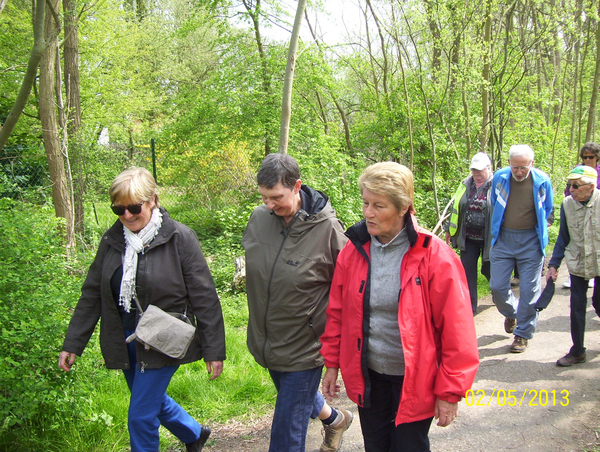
(520, 248)
(298, 400)
(150, 406)
(579, 287)
(378, 423)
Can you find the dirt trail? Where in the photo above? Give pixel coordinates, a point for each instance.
(552, 424)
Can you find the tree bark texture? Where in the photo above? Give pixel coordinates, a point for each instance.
(39, 44)
(49, 119)
(286, 104)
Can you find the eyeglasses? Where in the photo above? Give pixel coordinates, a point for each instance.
(588, 157)
(134, 209)
(520, 168)
(575, 186)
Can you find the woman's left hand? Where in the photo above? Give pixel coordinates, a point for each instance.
(445, 412)
(215, 368)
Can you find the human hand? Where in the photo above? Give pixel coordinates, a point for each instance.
(215, 368)
(551, 273)
(66, 360)
(448, 239)
(446, 412)
(330, 388)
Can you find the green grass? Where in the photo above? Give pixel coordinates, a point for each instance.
(243, 391)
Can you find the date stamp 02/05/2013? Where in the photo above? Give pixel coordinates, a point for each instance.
(513, 397)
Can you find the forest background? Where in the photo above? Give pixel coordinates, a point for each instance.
(192, 90)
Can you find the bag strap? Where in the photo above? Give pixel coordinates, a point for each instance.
(138, 305)
(142, 311)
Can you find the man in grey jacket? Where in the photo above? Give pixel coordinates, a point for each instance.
(292, 243)
(579, 242)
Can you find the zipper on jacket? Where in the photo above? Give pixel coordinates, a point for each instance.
(358, 347)
(284, 232)
(143, 367)
(362, 286)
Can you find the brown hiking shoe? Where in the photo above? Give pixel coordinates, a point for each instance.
(568, 360)
(509, 325)
(332, 437)
(519, 345)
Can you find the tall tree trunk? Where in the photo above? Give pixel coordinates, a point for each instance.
(402, 50)
(49, 119)
(436, 58)
(73, 108)
(591, 122)
(286, 104)
(485, 90)
(371, 55)
(254, 14)
(337, 103)
(39, 45)
(575, 58)
(385, 69)
(582, 82)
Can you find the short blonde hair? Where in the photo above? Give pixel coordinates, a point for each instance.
(392, 180)
(135, 184)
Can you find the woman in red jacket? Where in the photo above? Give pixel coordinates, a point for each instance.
(398, 321)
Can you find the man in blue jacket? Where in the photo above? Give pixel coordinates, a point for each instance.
(522, 202)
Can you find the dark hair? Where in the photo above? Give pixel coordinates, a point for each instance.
(590, 146)
(277, 168)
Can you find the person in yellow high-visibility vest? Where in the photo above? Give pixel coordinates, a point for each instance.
(468, 228)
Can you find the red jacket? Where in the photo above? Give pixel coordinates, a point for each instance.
(434, 315)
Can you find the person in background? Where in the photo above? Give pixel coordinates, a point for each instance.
(399, 323)
(468, 227)
(589, 154)
(522, 201)
(148, 256)
(579, 242)
(292, 243)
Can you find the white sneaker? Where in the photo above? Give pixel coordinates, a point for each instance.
(567, 283)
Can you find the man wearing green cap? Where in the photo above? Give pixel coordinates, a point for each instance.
(579, 241)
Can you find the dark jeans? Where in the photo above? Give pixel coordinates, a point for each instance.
(579, 287)
(469, 258)
(298, 400)
(378, 422)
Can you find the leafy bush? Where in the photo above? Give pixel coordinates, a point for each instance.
(36, 292)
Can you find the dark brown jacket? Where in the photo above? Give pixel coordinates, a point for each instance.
(172, 272)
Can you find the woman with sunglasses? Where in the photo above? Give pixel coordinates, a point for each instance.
(590, 155)
(148, 256)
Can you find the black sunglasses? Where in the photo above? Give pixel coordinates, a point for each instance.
(575, 186)
(134, 209)
(588, 157)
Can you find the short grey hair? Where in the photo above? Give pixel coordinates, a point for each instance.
(587, 180)
(277, 168)
(521, 150)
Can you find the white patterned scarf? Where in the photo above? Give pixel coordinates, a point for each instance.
(134, 244)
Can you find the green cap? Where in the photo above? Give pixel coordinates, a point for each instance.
(583, 171)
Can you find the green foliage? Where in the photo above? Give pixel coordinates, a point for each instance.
(36, 291)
